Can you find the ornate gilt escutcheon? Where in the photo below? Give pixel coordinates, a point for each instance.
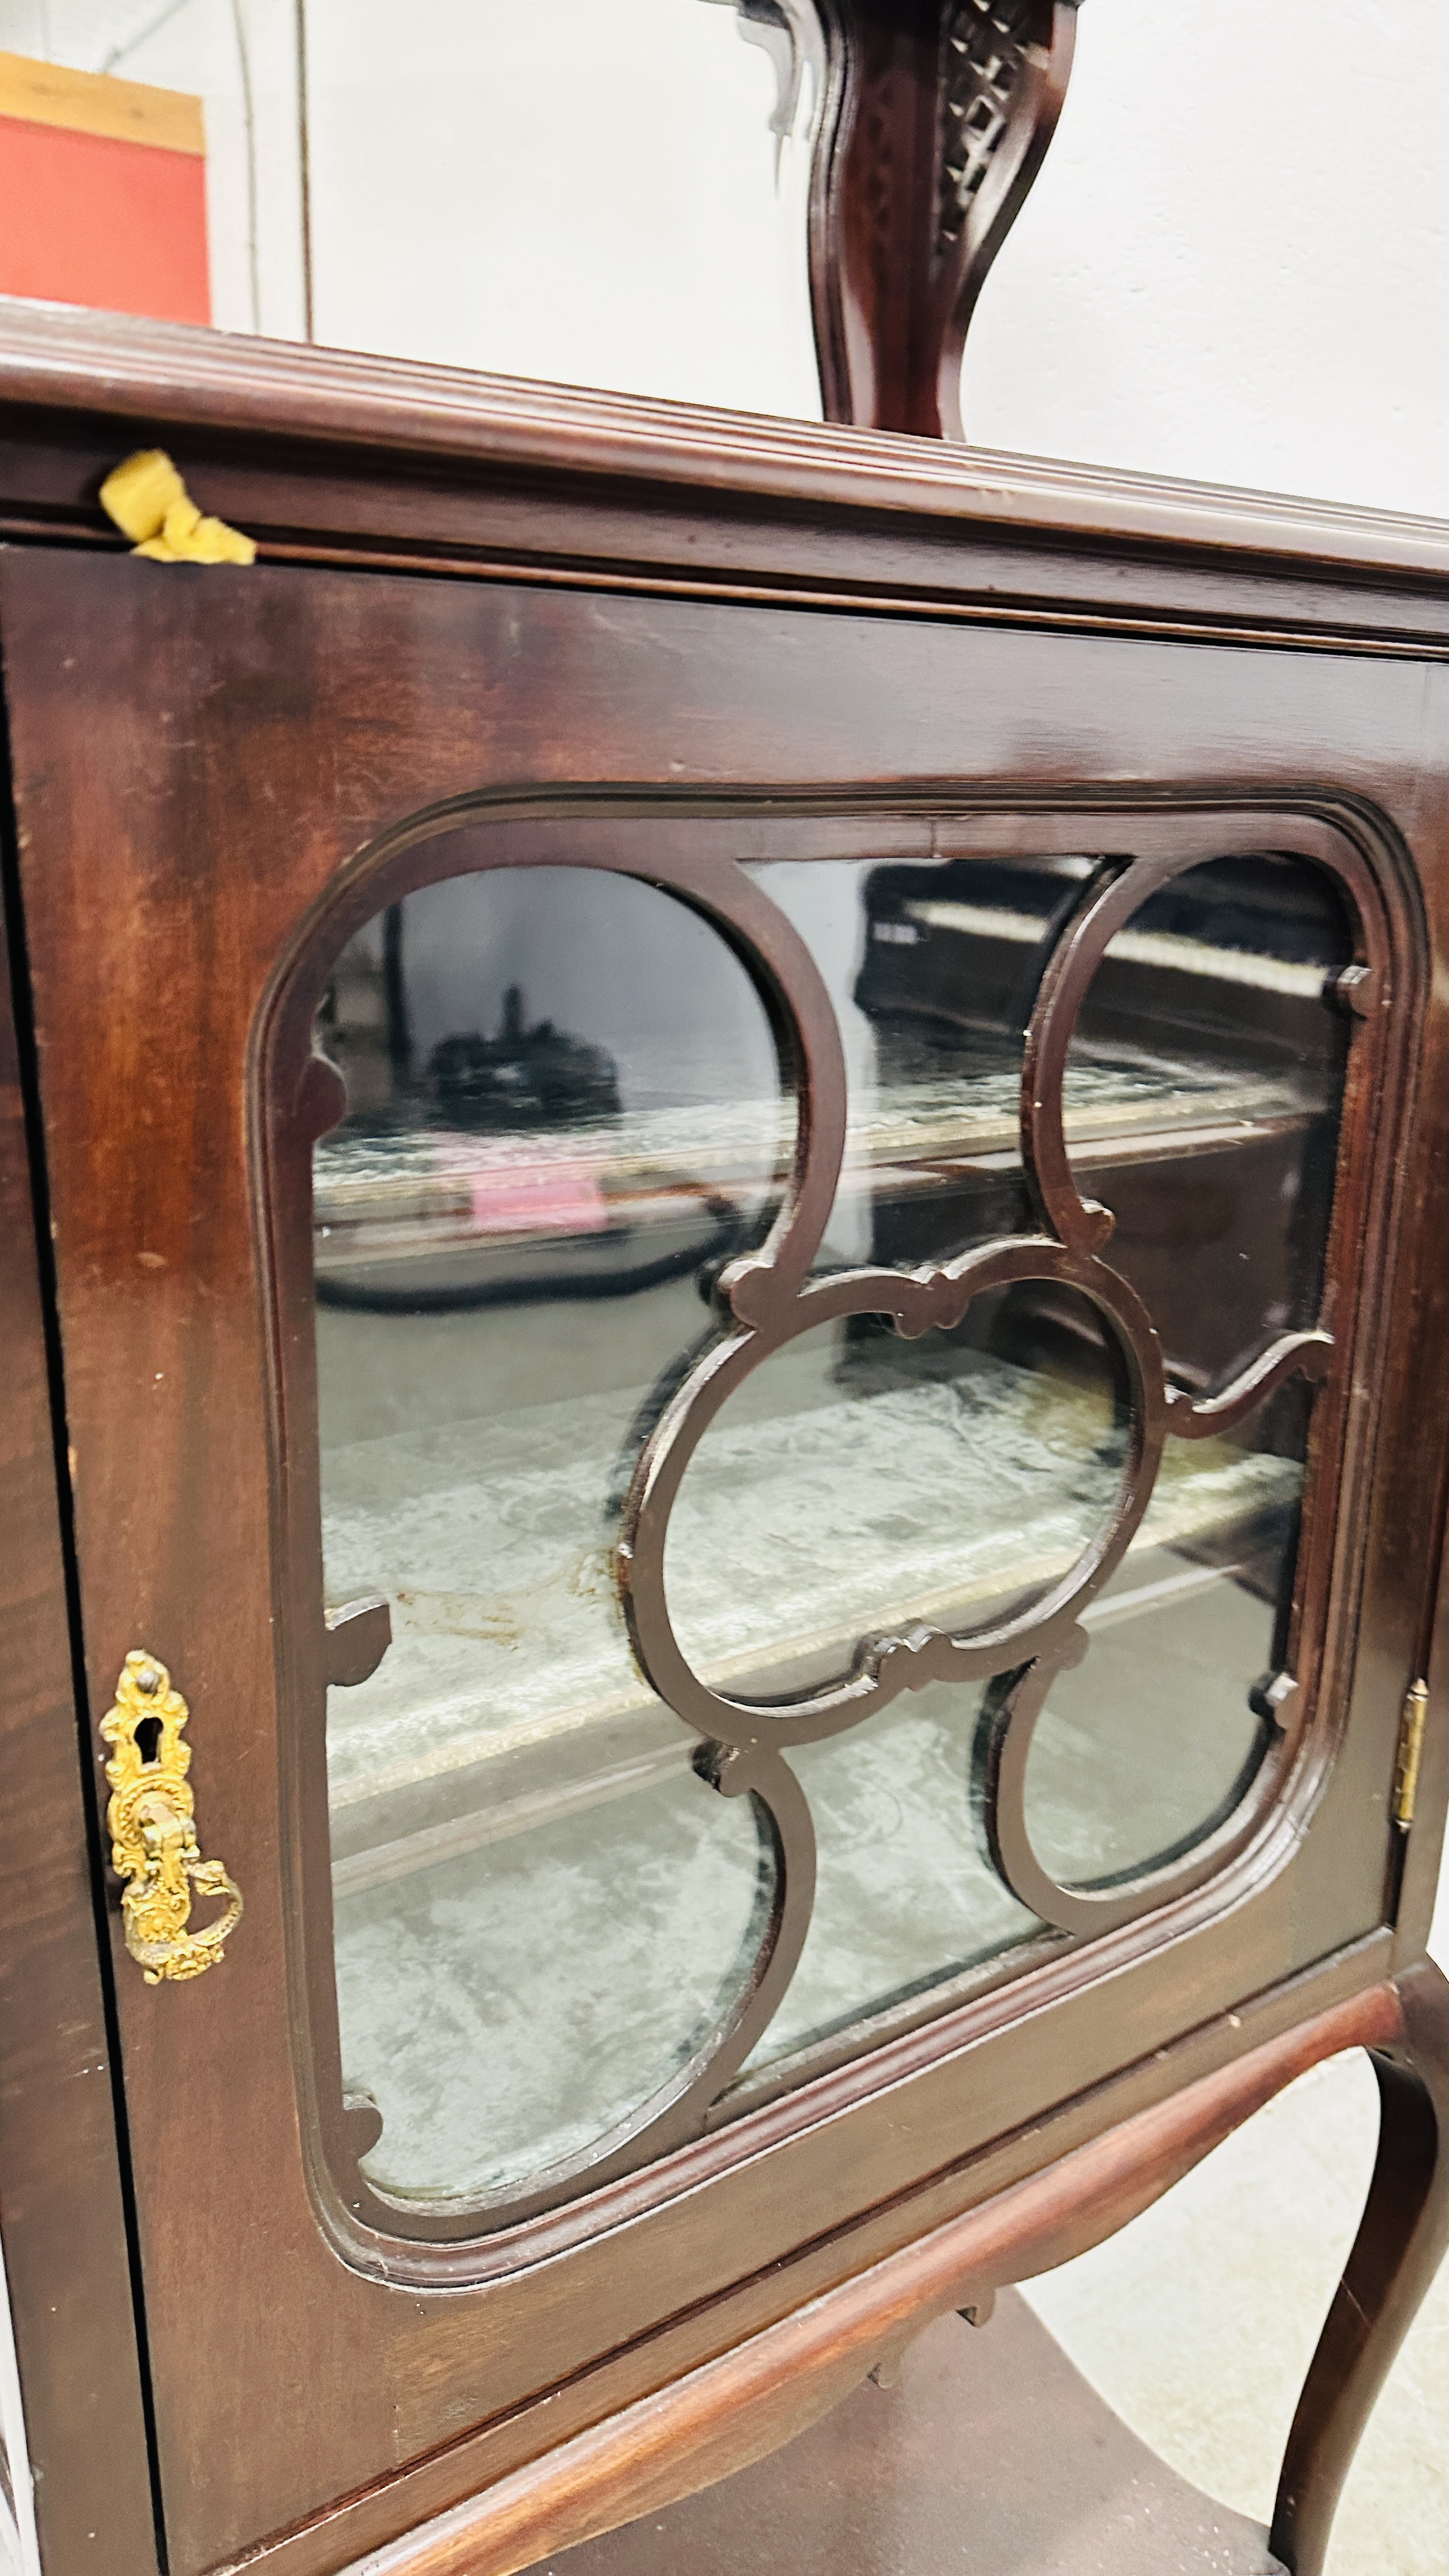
(151, 1820)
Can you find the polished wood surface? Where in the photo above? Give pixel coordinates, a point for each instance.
(937, 116)
(1401, 2241)
(576, 616)
(61, 2205)
(988, 2451)
(742, 2406)
(323, 454)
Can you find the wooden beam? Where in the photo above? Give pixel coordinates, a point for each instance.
(93, 103)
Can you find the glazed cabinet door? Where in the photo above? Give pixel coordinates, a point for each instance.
(746, 1398)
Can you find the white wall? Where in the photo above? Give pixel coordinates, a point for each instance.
(576, 188)
(1234, 265)
(19, 2548)
(583, 189)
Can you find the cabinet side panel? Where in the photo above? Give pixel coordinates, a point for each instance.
(60, 2183)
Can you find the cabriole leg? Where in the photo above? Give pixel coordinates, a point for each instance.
(1402, 2235)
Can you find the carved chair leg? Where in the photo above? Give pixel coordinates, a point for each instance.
(1402, 2235)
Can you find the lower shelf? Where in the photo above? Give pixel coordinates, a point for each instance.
(989, 2456)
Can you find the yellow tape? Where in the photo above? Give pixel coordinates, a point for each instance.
(151, 505)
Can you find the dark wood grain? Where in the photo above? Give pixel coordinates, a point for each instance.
(331, 457)
(936, 119)
(1401, 2241)
(734, 2410)
(987, 2452)
(65, 2235)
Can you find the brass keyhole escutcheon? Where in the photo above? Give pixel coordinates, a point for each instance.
(151, 1820)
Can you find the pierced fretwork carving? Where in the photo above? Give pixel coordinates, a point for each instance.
(984, 60)
(929, 120)
(772, 1297)
(936, 117)
(765, 1300)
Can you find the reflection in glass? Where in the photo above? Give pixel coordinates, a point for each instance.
(565, 1113)
(1202, 1102)
(861, 1482)
(1220, 994)
(1218, 1002)
(1154, 1737)
(904, 1896)
(508, 2006)
(931, 1002)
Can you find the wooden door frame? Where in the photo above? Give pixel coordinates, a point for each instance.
(63, 2193)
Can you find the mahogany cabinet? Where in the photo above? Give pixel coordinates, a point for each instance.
(725, 1171)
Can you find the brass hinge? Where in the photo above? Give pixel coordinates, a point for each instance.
(1411, 1746)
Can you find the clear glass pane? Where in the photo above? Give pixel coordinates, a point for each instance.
(565, 1111)
(1154, 1738)
(1202, 1103)
(904, 1896)
(565, 1114)
(861, 1482)
(508, 2007)
(1220, 994)
(931, 968)
(1216, 1005)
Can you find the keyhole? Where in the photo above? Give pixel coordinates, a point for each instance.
(148, 1736)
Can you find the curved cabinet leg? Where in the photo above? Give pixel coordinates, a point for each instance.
(936, 117)
(1402, 2235)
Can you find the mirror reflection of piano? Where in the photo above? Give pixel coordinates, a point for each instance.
(1202, 1086)
(1203, 1083)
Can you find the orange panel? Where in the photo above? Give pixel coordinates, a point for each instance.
(86, 219)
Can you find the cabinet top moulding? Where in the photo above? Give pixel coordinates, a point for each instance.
(327, 455)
